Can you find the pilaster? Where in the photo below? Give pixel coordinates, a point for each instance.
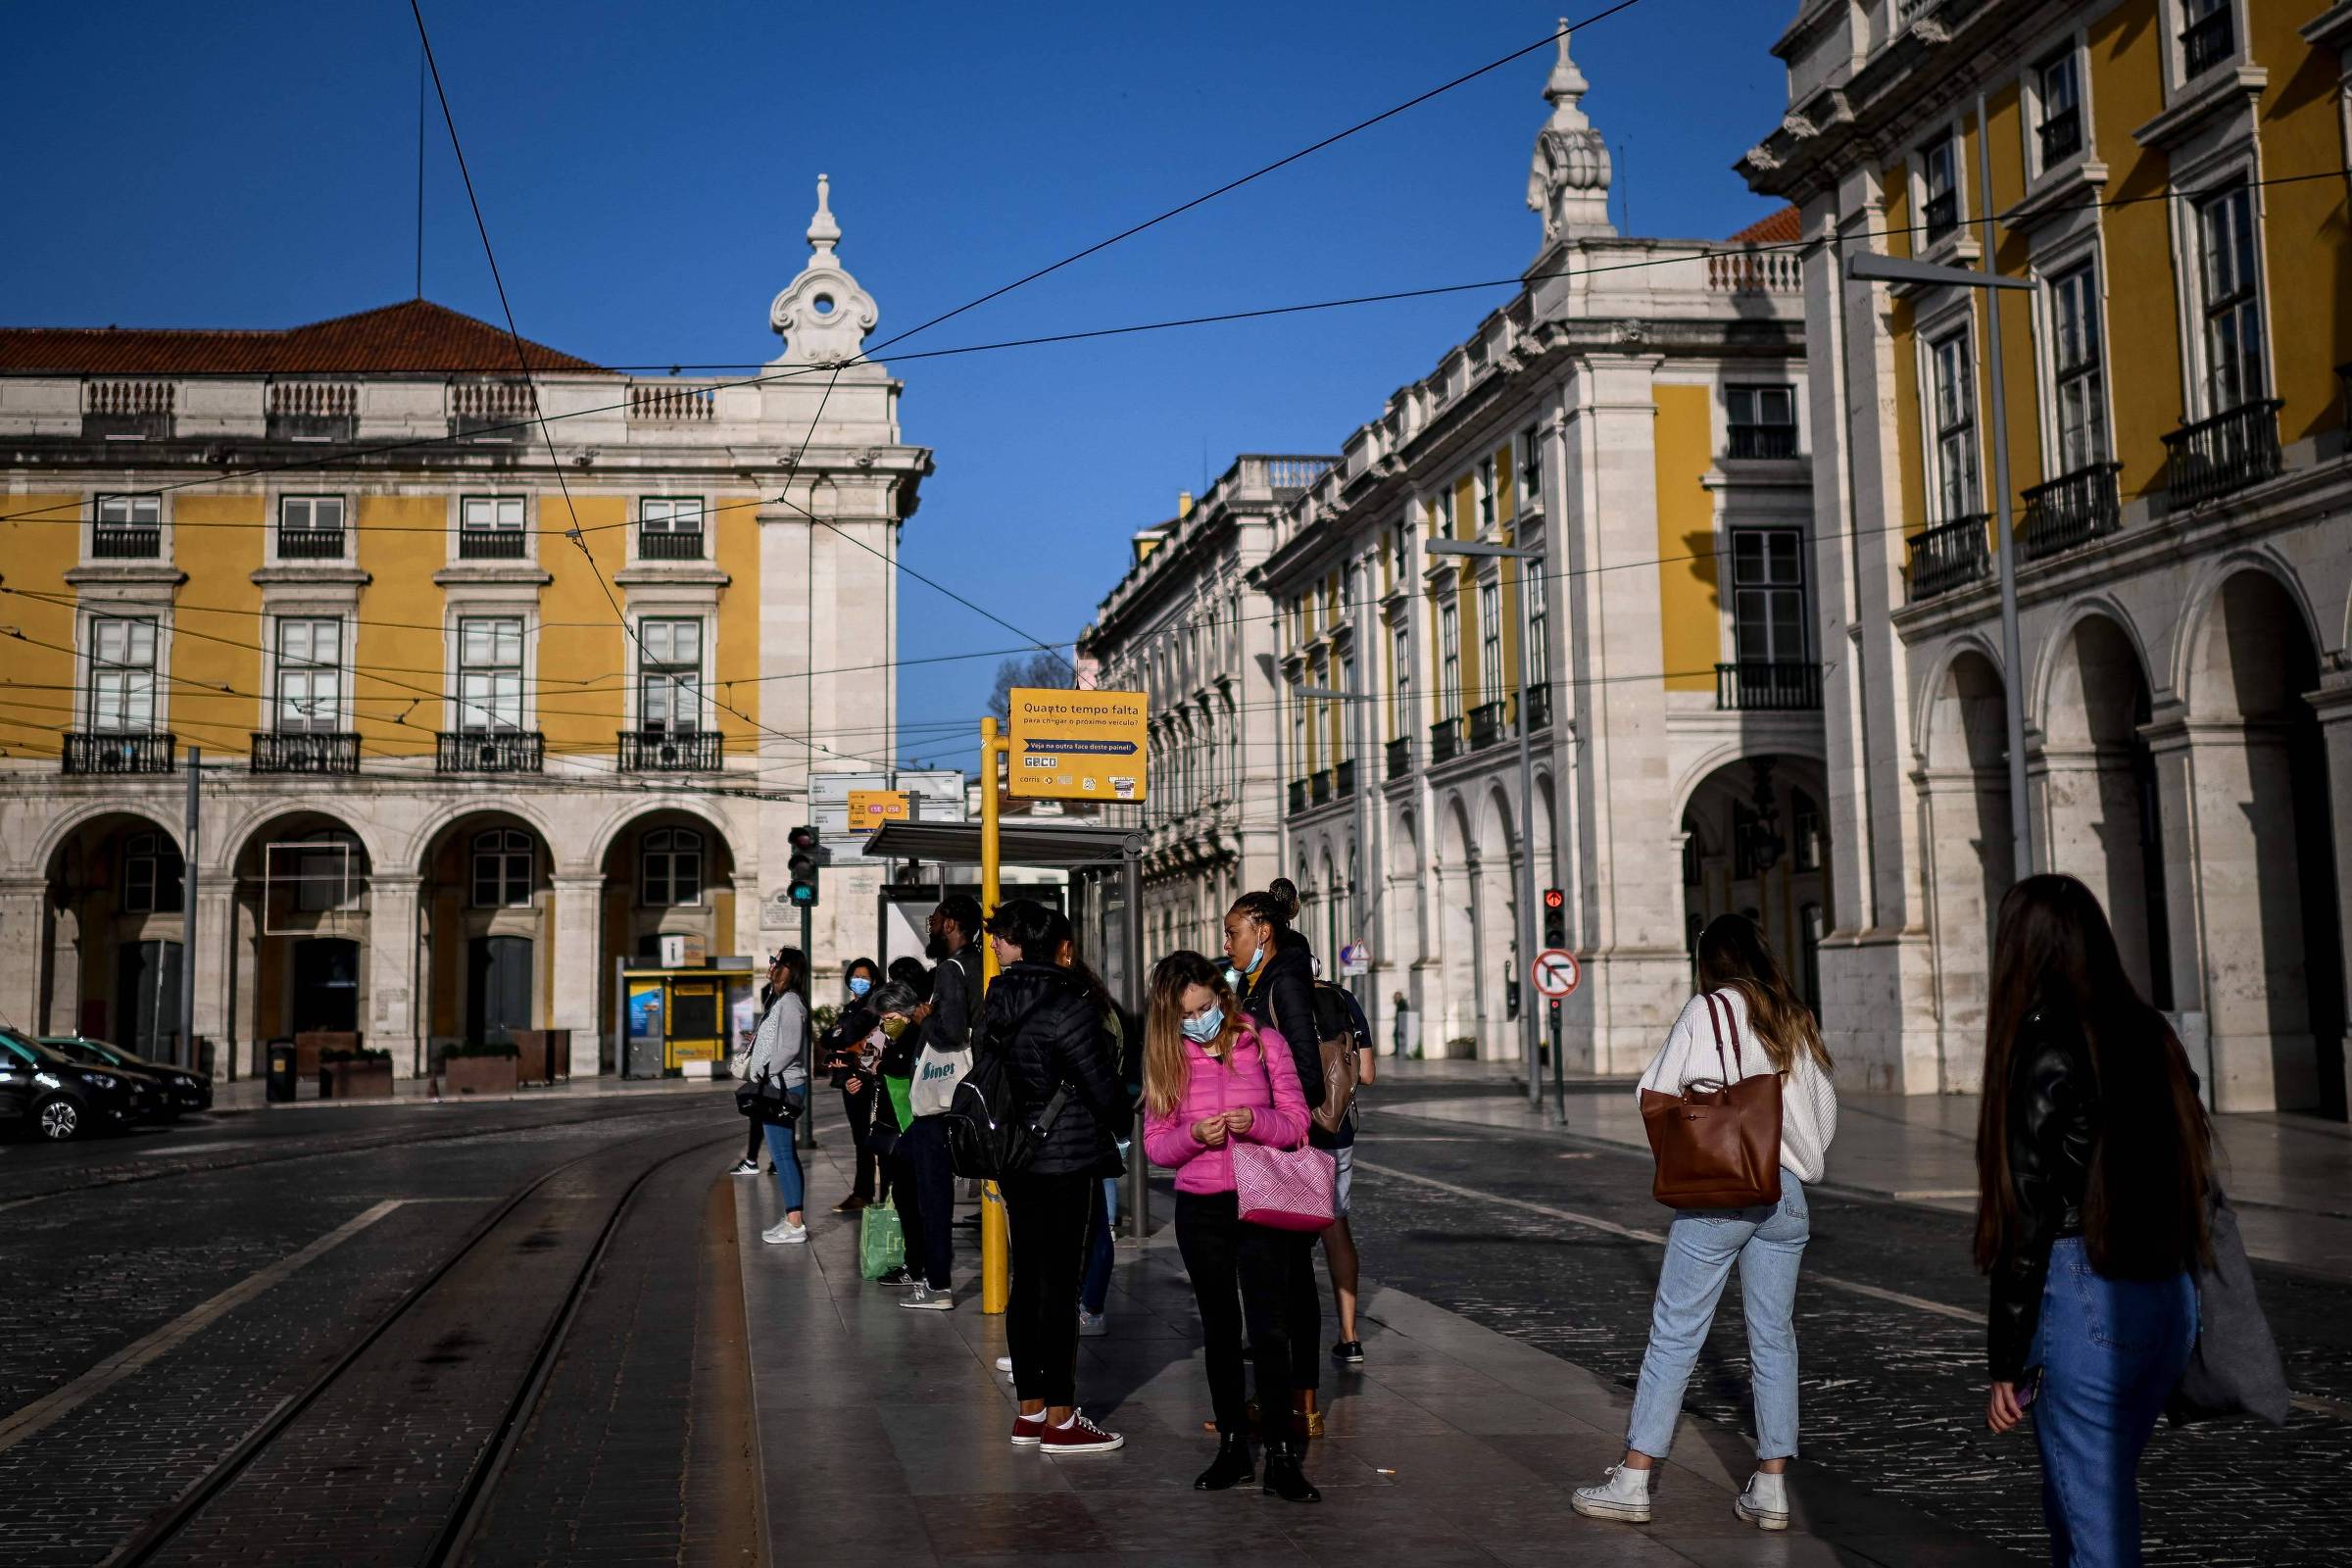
(393, 974)
(579, 944)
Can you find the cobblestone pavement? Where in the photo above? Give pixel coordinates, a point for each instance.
(1893, 1395)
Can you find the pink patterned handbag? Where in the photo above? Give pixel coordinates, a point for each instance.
(1285, 1189)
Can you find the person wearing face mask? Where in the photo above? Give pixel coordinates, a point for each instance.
(850, 1050)
(922, 1181)
(1215, 1077)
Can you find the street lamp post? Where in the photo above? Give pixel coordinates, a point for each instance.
(1526, 806)
(1362, 702)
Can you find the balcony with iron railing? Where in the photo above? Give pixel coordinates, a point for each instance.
(670, 544)
(1318, 785)
(114, 752)
(1760, 441)
(128, 411)
(1485, 725)
(661, 751)
(1298, 796)
(2214, 458)
(1539, 707)
(2070, 509)
(1400, 756)
(1444, 741)
(503, 750)
(2209, 40)
(1941, 214)
(1952, 555)
(1768, 686)
(126, 541)
(493, 544)
(309, 543)
(2061, 136)
(1343, 778)
(306, 752)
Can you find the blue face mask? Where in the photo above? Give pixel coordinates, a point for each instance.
(860, 984)
(1206, 1027)
(1257, 955)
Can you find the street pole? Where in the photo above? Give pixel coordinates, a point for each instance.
(1559, 1071)
(809, 1033)
(1369, 876)
(1138, 996)
(2021, 815)
(996, 1238)
(184, 1054)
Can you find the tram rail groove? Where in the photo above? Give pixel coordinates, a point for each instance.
(167, 1524)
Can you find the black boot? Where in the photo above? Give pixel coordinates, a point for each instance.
(1230, 1468)
(1283, 1477)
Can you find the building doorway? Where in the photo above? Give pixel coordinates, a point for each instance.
(147, 998)
(326, 985)
(497, 989)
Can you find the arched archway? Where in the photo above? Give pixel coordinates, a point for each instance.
(665, 872)
(489, 928)
(1964, 801)
(1450, 1025)
(1495, 896)
(1755, 841)
(116, 896)
(301, 912)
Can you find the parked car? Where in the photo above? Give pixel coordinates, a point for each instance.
(178, 1090)
(57, 1097)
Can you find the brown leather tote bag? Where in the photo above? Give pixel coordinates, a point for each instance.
(1717, 1143)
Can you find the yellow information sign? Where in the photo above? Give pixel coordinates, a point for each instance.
(1078, 746)
(870, 809)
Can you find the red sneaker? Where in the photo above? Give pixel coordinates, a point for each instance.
(1028, 1431)
(1081, 1435)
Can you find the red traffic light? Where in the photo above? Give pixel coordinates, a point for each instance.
(802, 838)
(1554, 898)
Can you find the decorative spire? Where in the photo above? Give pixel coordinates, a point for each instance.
(824, 317)
(824, 232)
(1568, 179)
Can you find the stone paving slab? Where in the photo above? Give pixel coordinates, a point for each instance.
(883, 1438)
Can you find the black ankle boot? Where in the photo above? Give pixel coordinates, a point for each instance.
(1283, 1477)
(1230, 1468)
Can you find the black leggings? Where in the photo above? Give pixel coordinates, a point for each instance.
(1302, 1315)
(758, 1141)
(1049, 1216)
(860, 1109)
(1240, 1273)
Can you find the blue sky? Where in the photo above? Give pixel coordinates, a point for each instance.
(648, 173)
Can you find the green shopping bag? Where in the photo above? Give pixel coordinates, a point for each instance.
(881, 1244)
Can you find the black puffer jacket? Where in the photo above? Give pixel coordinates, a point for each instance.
(1282, 998)
(2054, 1117)
(1053, 1035)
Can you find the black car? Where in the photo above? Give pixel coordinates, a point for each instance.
(177, 1090)
(57, 1097)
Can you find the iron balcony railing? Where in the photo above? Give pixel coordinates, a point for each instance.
(1761, 441)
(2228, 452)
(1298, 796)
(2061, 136)
(1538, 708)
(674, 544)
(504, 751)
(104, 752)
(310, 544)
(1485, 725)
(126, 541)
(1318, 785)
(1952, 555)
(492, 544)
(1444, 740)
(661, 751)
(1400, 756)
(1343, 779)
(1768, 686)
(2209, 40)
(1942, 215)
(307, 752)
(2070, 509)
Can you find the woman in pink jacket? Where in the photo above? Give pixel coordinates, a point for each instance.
(1213, 1079)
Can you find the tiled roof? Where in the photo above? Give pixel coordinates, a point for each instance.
(413, 336)
(1779, 228)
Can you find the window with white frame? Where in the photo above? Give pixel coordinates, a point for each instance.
(2077, 368)
(2208, 37)
(310, 675)
(2231, 280)
(2058, 102)
(505, 864)
(122, 674)
(671, 862)
(670, 527)
(309, 527)
(670, 675)
(1530, 469)
(490, 673)
(1299, 732)
(1450, 668)
(1761, 422)
(1489, 642)
(1401, 680)
(154, 875)
(491, 526)
(1958, 489)
(1768, 595)
(1539, 640)
(127, 527)
(1486, 494)
(1940, 183)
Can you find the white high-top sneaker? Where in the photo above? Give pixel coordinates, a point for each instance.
(1624, 1495)
(1765, 1503)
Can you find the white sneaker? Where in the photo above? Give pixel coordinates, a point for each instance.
(1005, 1364)
(1093, 1325)
(1765, 1503)
(1625, 1496)
(744, 1167)
(923, 1298)
(785, 1231)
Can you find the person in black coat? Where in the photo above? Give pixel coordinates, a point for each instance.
(1048, 1024)
(1277, 986)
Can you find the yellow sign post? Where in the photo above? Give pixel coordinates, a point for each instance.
(870, 809)
(1077, 746)
(996, 1238)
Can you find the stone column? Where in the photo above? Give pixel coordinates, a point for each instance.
(394, 984)
(65, 968)
(216, 959)
(579, 966)
(2087, 811)
(2334, 704)
(23, 918)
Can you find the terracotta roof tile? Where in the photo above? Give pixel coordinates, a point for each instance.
(414, 336)
(1779, 228)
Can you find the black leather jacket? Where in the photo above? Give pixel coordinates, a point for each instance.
(2053, 1121)
(1052, 1034)
(1282, 998)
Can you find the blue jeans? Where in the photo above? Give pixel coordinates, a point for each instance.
(1095, 1289)
(783, 1150)
(1700, 1247)
(2110, 1352)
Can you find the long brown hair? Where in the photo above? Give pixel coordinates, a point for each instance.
(2054, 960)
(1733, 955)
(1167, 1070)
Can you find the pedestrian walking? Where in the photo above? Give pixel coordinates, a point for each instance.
(1746, 1021)
(922, 1181)
(779, 1046)
(1056, 1053)
(1339, 1017)
(1215, 1077)
(1275, 971)
(756, 1129)
(2094, 1166)
(850, 1049)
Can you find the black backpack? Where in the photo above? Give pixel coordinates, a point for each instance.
(986, 1139)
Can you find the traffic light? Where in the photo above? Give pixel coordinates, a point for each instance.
(1556, 917)
(803, 868)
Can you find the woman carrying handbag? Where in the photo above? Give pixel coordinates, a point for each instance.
(1740, 1190)
(1216, 1084)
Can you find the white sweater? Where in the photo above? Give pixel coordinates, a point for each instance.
(1809, 1100)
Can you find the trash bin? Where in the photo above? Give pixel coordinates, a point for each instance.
(281, 1084)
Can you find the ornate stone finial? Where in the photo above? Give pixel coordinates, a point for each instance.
(1568, 179)
(824, 317)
